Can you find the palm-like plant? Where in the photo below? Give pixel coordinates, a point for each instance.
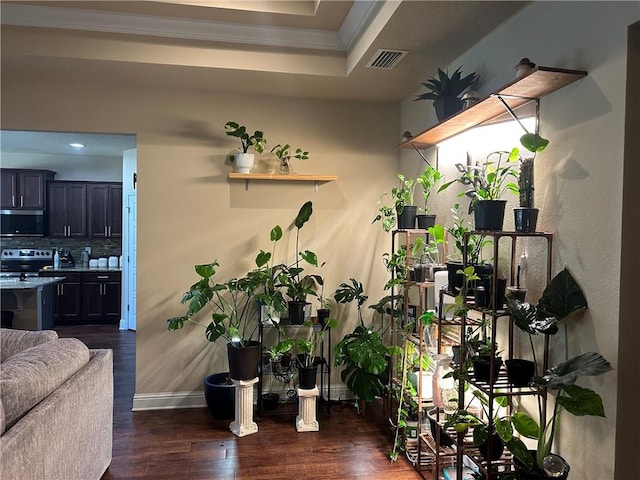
(445, 86)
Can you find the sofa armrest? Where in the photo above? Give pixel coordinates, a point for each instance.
(14, 341)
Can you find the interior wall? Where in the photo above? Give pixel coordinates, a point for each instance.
(578, 181)
(190, 213)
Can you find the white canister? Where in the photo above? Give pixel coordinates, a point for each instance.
(93, 263)
(102, 262)
(113, 262)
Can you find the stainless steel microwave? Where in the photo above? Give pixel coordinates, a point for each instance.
(22, 223)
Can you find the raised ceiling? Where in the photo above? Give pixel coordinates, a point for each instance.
(314, 49)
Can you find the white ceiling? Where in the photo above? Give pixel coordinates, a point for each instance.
(307, 48)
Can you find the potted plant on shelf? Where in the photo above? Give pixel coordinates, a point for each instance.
(284, 155)
(526, 216)
(244, 161)
(234, 317)
(276, 353)
(307, 349)
(428, 180)
(561, 301)
(403, 200)
(486, 184)
(445, 91)
(473, 249)
(296, 285)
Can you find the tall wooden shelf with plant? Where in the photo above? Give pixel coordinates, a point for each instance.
(407, 389)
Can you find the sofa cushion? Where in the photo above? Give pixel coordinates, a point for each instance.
(14, 341)
(27, 377)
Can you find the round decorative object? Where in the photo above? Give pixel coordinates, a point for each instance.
(524, 66)
(470, 98)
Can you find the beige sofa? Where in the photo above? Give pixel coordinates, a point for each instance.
(56, 407)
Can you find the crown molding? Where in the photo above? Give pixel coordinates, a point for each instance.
(77, 19)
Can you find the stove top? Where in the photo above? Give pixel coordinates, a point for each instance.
(25, 260)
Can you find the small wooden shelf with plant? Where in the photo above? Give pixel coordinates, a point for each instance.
(537, 83)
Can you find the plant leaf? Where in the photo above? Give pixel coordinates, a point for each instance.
(525, 425)
(562, 297)
(564, 375)
(304, 214)
(581, 401)
(533, 142)
(276, 233)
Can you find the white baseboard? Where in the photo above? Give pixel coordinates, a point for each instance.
(168, 400)
(171, 400)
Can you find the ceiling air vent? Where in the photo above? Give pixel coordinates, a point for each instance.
(386, 58)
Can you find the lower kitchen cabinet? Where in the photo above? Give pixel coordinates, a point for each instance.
(67, 300)
(101, 297)
(86, 297)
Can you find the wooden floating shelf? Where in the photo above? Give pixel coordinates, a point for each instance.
(277, 177)
(537, 83)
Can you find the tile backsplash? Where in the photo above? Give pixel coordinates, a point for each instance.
(100, 247)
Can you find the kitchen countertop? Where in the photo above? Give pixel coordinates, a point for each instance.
(78, 269)
(31, 283)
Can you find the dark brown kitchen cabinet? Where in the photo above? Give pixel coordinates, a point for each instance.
(24, 189)
(101, 297)
(105, 210)
(68, 209)
(67, 300)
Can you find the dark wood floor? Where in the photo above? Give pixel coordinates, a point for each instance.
(191, 444)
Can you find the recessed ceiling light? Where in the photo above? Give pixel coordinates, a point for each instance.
(76, 145)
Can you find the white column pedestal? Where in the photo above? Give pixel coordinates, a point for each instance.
(306, 419)
(243, 424)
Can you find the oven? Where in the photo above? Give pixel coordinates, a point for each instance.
(24, 262)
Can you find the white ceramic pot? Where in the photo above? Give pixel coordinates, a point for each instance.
(243, 162)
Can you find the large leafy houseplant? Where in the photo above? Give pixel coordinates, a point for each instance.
(561, 301)
(363, 353)
(232, 303)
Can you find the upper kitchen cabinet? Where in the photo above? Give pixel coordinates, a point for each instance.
(105, 210)
(24, 189)
(68, 209)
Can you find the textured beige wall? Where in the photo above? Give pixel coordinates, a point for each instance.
(578, 183)
(189, 212)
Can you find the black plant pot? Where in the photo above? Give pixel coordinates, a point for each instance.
(525, 219)
(497, 447)
(420, 272)
(307, 377)
(483, 293)
(489, 215)
(447, 106)
(323, 315)
(270, 401)
(425, 221)
(296, 312)
(536, 473)
(220, 396)
(482, 368)
(243, 361)
(519, 371)
(455, 279)
(407, 218)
